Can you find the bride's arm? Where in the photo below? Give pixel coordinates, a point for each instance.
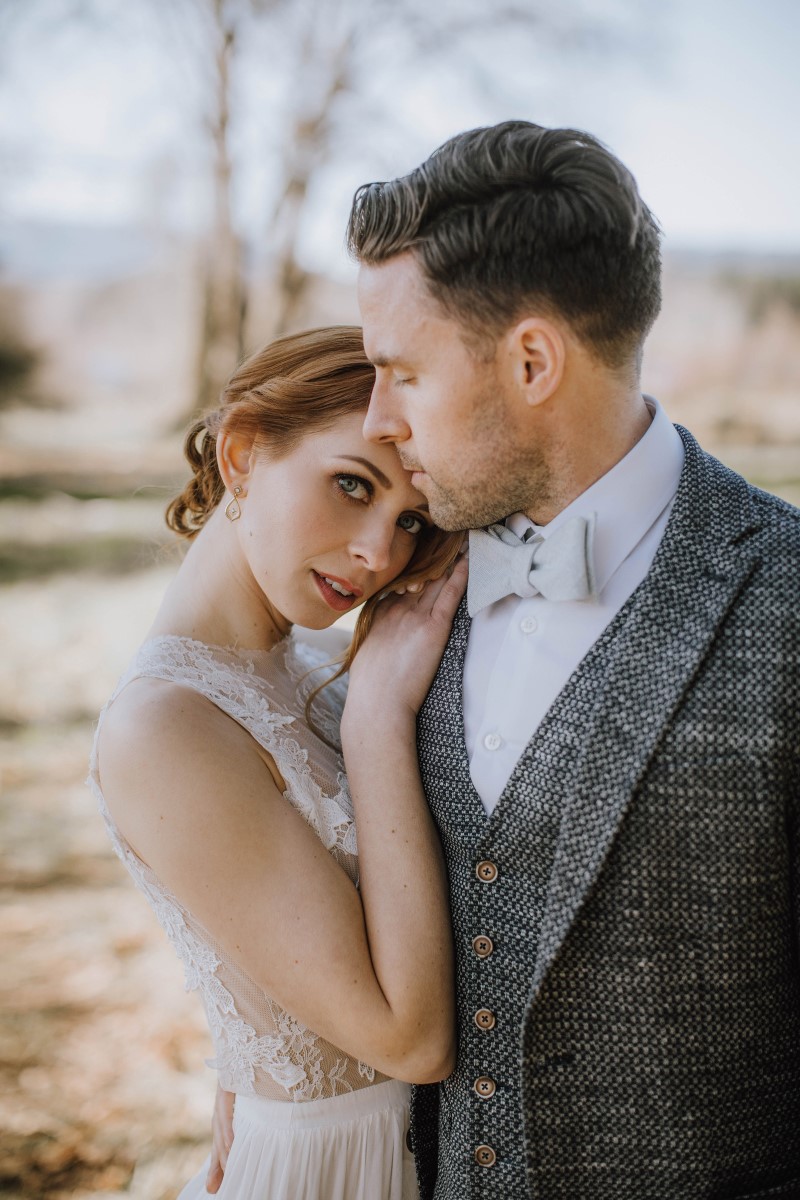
(188, 788)
(403, 880)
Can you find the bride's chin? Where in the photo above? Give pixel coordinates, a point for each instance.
(320, 623)
(320, 617)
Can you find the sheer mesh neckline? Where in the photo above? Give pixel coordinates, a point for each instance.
(244, 654)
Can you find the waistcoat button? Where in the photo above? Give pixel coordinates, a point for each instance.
(408, 1141)
(484, 1087)
(482, 945)
(486, 871)
(485, 1019)
(485, 1156)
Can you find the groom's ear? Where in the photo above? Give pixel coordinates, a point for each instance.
(235, 459)
(538, 351)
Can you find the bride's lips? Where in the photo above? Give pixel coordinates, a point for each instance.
(333, 598)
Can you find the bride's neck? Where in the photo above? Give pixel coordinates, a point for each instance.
(214, 598)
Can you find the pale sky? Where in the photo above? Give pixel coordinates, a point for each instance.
(90, 131)
(716, 144)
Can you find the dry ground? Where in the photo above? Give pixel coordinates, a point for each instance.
(102, 1085)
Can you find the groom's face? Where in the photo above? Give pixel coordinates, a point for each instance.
(452, 415)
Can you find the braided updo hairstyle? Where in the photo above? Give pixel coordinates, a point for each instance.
(294, 386)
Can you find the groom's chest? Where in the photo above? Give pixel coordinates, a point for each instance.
(534, 727)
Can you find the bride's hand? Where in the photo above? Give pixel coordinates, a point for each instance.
(396, 664)
(221, 1138)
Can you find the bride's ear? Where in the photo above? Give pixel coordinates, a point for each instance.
(235, 456)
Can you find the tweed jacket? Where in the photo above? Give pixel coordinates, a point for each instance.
(626, 921)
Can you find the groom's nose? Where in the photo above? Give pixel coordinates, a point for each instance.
(384, 421)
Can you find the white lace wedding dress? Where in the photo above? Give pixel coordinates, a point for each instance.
(310, 1122)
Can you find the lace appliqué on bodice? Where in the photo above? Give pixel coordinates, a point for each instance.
(259, 1047)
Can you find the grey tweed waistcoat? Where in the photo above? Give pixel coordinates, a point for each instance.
(626, 921)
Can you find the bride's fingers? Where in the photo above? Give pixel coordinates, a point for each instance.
(451, 589)
(221, 1138)
(446, 591)
(421, 595)
(220, 1148)
(214, 1176)
(401, 589)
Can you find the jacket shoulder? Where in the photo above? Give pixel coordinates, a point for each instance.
(735, 506)
(775, 511)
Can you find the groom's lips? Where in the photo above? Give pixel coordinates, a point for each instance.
(417, 473)
(415, 469)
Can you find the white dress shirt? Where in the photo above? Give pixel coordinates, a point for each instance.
(521, 652)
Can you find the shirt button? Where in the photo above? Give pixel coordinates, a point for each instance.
(485, 1019)
(529, 624)
(484, 1087)
(485, 1156)
(482, 945)
(486, 871)
(493, 741)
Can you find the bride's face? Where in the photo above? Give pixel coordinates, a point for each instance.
(329, 524)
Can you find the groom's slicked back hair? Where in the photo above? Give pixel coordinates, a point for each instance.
(517, 219)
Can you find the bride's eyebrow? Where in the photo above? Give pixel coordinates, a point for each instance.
(382, 479)
(379, 475)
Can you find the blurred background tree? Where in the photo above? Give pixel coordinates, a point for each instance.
(323, 105)
(18, 357)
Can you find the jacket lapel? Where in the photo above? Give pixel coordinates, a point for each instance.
(649, 656)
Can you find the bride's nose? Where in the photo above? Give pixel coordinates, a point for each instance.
(372, 545)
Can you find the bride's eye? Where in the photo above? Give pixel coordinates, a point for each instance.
(411, 523)
(352, 486)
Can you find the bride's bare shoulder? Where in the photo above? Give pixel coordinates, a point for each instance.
(159, 728)
(148, 707)
(164, 748)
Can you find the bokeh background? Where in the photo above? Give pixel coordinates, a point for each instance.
(175, 178)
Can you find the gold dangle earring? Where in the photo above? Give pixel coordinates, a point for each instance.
(233, 509)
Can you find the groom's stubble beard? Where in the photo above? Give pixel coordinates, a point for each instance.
(492, 477)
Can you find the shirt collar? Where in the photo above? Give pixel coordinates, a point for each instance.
(628, 499)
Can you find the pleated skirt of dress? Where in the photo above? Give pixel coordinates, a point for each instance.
(349, 1147)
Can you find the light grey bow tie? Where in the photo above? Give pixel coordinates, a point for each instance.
(558, 567)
